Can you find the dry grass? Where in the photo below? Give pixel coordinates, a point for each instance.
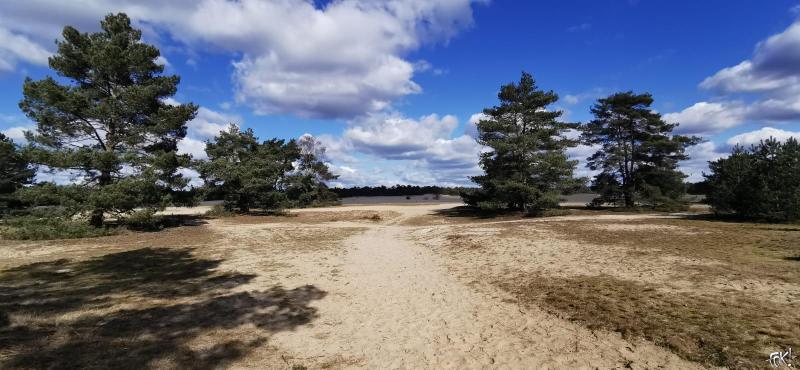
(719, 293)
(730, 331)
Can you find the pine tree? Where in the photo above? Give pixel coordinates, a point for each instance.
(110, 123)
(15, 172)
(307, 182)
(250, 174)
(527, 167)
(761, 182)
(638, 156)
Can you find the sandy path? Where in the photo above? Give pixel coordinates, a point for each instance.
(393, 305)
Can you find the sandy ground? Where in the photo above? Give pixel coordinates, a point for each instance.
(393, 298)
(392, 303)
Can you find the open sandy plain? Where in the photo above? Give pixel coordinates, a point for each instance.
(407, 287)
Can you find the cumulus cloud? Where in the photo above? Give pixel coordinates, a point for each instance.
(472, 124)
(699, 156)
(708, 118)
(15, 48)
(17, 133)
(771, 75)
(416, 151)
(208, 123)
(754, 137)
(339, 60)
(764, 89)
(775, 65)
(205, 126)
(194, 147)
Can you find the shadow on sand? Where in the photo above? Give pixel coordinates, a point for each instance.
(469, 212)
(128, 310)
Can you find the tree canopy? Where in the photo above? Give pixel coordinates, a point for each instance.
(110, 124)
(526, 167)
(760, 182)
(15, 172)
(638, 156)
(265, 175)
(307, 184)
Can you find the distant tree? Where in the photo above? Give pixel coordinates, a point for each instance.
(698, 188)
(307, 184)
(638, 155)
(526, 167)
(110, 124)
(15, 172)
(761, 182)
(250, 174)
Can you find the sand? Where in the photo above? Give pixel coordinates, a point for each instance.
(392, 303)
(392, 297)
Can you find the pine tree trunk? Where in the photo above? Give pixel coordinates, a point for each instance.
(627, 192)
(98, 217)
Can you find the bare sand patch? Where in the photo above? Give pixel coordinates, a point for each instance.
(339, 288)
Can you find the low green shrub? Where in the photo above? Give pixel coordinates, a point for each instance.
(32, 227)
(144, 220)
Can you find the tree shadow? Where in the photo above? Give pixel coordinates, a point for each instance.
(165, 222)
(128, 310)
(734, 219)
(470, 212)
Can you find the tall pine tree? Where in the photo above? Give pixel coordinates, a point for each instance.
(638, 155)
(526, 167)
(110, 123)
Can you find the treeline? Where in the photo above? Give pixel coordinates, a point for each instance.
(395, 190)
(526, 167)
(107, 123)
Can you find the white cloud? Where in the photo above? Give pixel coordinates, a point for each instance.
(15, 47)
(754, 137)
(397, 137)
(205, 126)
(472, 124)
(699, 156)
(571, 99)
(192, 175)
(162, 60)
(398, 149)
(772, 75)
(18, 133)
(208, 123)
(340, 60)
(775, 65)
(708, 118)
(195, 148)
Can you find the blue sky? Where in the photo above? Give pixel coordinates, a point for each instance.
(390, 87)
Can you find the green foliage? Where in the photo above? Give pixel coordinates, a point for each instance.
(269, 176)
(305, 186)
(638, 156)
(144, 220)
(36, 227)
(110, 124)
(762, 182)
(527, 167)
(15, 171)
